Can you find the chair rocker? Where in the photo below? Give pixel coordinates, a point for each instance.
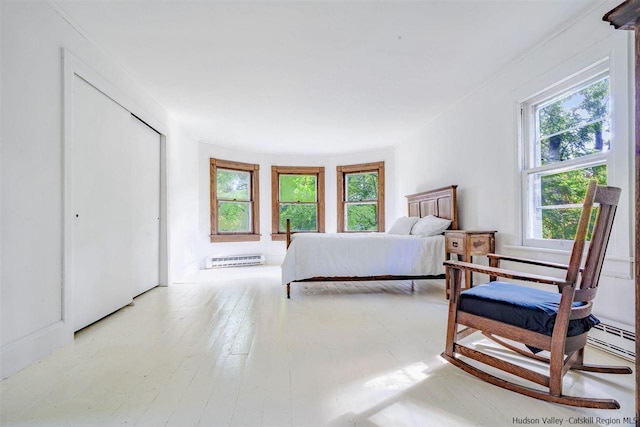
(557, 322)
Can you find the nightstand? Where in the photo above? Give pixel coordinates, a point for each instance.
(466, 244)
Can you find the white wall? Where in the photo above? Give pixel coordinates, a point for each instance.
(274, 251)
(182, 156)
(33, 35)
(474, 144)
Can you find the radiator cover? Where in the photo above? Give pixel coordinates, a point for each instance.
(235, 261)
(615, 338)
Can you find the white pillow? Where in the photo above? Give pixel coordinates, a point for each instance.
(403, 225)
(430, 226)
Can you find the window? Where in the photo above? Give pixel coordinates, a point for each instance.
(297, 194)
(361, 197)
(567, 135)
(234, 201)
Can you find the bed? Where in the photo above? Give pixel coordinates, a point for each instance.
(344, 257)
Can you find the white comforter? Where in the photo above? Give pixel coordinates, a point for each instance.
(361, 255)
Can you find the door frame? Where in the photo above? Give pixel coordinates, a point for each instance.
(72, 67)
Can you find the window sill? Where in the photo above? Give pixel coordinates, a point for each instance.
(614, 266)
(281, 237)
(216, 238)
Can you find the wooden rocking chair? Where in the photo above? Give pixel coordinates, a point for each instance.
(557, 322)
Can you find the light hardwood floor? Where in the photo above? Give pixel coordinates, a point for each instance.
(232, 350)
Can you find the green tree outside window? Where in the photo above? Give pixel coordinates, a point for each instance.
(574, 125)
(361, 201)
(562, 196)
(234, 201)
(298, 195)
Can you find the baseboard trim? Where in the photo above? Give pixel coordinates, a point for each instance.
(21, 353)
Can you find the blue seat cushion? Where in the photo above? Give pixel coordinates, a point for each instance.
(521, 306)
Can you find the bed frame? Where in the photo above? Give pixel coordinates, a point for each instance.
(441, 202)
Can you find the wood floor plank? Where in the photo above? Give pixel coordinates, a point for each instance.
(231, 350)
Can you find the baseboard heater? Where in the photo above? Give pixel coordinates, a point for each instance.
(614, 338)
(235, 261)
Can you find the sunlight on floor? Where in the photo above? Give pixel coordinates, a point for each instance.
(397, 397)
(400, 379)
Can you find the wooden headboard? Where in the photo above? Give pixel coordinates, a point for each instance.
(441, 202)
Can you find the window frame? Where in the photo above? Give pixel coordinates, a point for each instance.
(341, 172)
(254, 171)
(276, 171)
(529, 150)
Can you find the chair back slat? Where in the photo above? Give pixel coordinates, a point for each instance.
(581, 235)
(607, 198)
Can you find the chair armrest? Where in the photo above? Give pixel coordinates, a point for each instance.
(510, 274)
(530, 261)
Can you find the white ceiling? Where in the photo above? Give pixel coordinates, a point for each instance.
(314, 76)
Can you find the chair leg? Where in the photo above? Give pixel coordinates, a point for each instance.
(579, 365)
(558, 342)
(556, 363)
(452, 325)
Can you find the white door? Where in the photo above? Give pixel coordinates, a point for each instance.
(108, 210)
(145, 187)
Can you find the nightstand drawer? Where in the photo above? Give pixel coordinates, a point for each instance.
(455, 243)
(480, 244)
(465, 244)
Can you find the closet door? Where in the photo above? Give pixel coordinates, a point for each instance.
(107, 263)
(145, 188)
